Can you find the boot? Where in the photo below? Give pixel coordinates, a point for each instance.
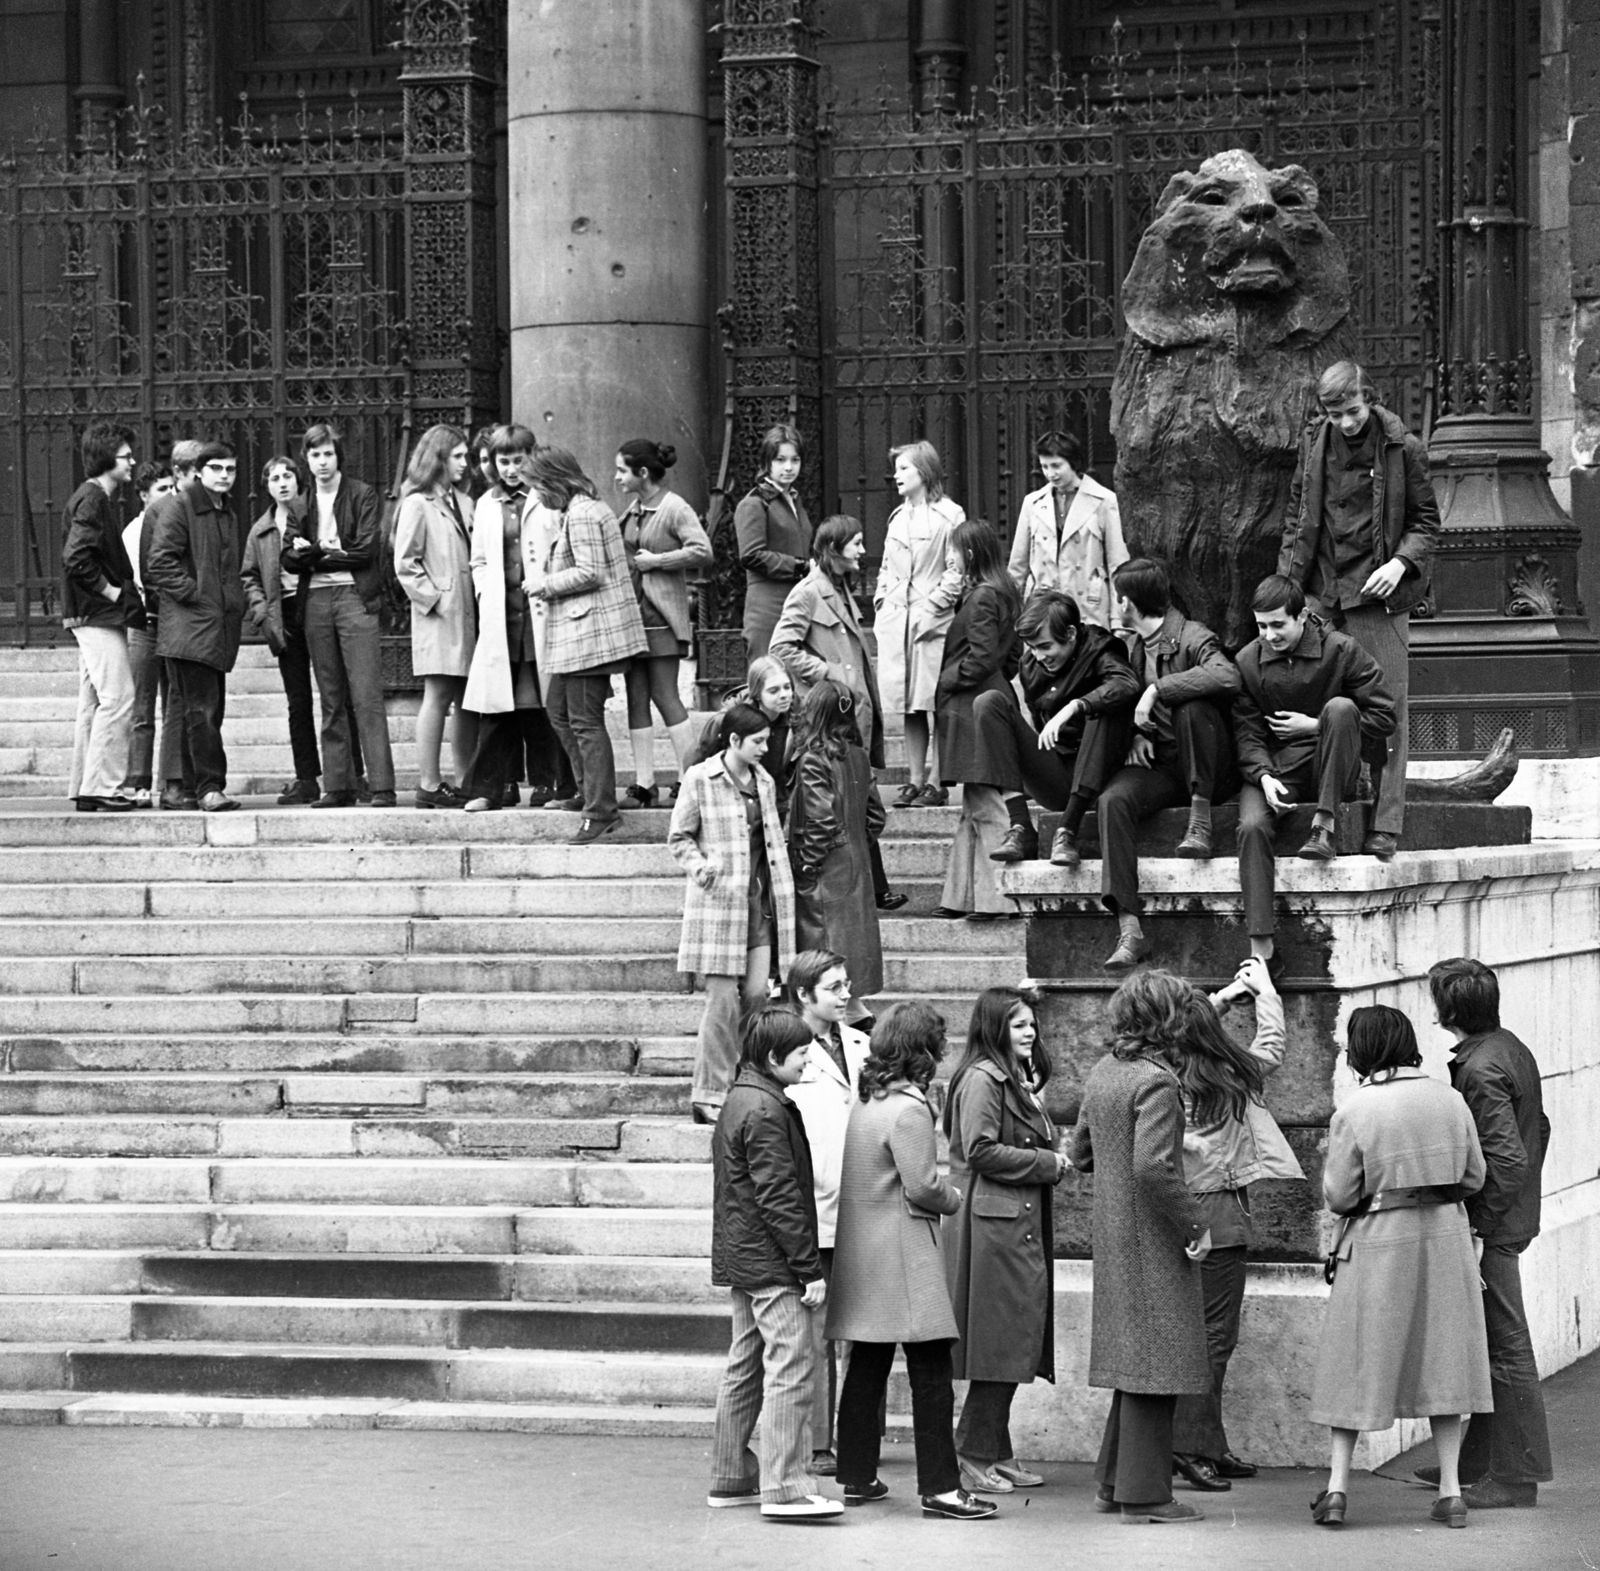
(1064, 849)
(1196, 842)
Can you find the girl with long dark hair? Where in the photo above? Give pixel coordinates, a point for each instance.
(999, 1247)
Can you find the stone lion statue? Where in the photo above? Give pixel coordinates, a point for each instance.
(1237, 300)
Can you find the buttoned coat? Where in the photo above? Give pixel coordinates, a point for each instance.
(825, 1096)
(489, 685)
(999, 1248)
(774, 539)
(1404, 1333)
(981, 651)
(1080, 557)
(818, 634)
(592, 611)
(709, 829)
(193, 565)
(432, 553)
(1148, 1318)
(670, 531)
(888, 1271)
(915, 600)
(834, 814)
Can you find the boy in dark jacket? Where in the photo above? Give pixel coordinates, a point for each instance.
(1182, 751)
(1072, 674)
(1506, 1454)
(764, 1247)
(1309, 698)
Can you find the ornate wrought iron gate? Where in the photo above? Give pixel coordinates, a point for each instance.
(243, 284)
(973, 254)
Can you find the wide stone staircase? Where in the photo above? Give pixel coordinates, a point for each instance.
(368, 1117)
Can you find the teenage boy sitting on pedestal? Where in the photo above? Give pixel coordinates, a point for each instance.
(1309, 699)
(1182, 751)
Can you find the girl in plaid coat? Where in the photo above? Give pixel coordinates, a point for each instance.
(738, 913)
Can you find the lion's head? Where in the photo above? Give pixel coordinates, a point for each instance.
(1236, 243)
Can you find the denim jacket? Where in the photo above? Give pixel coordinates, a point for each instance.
(1240, 1151)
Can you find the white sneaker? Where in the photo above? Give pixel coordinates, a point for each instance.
(813, 1508)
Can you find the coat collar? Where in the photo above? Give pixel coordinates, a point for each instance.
(944, 507)
(758, 1080)
(1170, 632)
(1029, 1111)
(1309, 647)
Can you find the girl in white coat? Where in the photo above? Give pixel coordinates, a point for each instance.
(915, 601)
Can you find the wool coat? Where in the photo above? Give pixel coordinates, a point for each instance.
(819, 634)
(825, 1096)
(589, 600)
(671, 531)
(489, 681)
(981, 652)
(1404, 1334)
(193, 565)
(834, 812)
(1148, 1331)
(774, 539)
(999, 1248)
(888, 1271)
(432, 553)
(915, 600)
(1079, 557)
(262, 573)
(709, 829)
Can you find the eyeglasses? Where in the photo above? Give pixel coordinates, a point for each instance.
(839, 989)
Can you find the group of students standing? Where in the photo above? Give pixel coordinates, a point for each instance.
(839, 1238)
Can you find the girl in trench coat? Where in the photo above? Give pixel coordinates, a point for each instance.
(834, 815)
(981, 653)
(889, 1283)
(432, 550)
(1404, 1334)
(1147, 1340)
(738, 910)
(999, 1247)
(915, 599)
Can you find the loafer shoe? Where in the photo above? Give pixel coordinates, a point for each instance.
(723, 1499)
(1017, 845)
(1449, 1509)
(1167, 1511)
(979, 1480)
(106, 804)
(1319, 847)
(1229, 1466)
(959, 1506)
(299, 793)
(1129, 952)
(1020, 1477)
(865, 1494)
(809, 1508)
(1064, 849)
(1489, 1494)
(591, 829)
(1327, 1510)
(1199, 1473)
(215, 802)
(1378, 844)
(336, 799)
(890, 901)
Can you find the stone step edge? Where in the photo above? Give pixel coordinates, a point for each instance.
(158, 1252)
(587, 1309)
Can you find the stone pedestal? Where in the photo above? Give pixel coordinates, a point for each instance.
(610, 315)
(1354, 931)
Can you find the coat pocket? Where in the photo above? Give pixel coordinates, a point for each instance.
(1000, 1207)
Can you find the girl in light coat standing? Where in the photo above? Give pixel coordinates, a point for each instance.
(665, 544)
(915, 601)
(1069, 532)
(738, 910)
(1404, 1335)
(432, 547)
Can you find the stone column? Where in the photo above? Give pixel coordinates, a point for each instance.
(610, 318)
(99, 91)
(1508, 645)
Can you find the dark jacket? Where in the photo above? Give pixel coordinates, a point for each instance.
(358, 516)
(263, 579)
(1402, 502)
(764, 1204)
(774, 539)
(1190, 663)
(93, 560)
(1499, 1079)
(981, 651)
(1098, 673)
(1324, 666)
(193, 565)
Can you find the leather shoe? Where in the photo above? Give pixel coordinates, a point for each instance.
(299, 793)
(1017, 845)
(1489, 1494)
(1022, 1477)
(907, 796)
(1128, 953)
(1105, 1499)
(511, 796)
(336, 799)
(179, 801)
(1200, 1472)
(1196, 842)
(1428, 1475)
(824, 1464)
(1168, 1511)
(1064, 849)
(1451, 1510)
(959, 1506)
(890, 901)
(591, 829)
(564, 804)
(105, 804)
(387, 799)
(933, 796)
(865, 1494)
(1327, 1510)
(1229, 1466)
(1380, 845)
(979, 1480)
(216, 802)
(1319, 847)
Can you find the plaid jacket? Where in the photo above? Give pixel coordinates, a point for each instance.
(592, 611)
(708, 827)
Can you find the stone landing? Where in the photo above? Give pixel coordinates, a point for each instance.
(1354, 931)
